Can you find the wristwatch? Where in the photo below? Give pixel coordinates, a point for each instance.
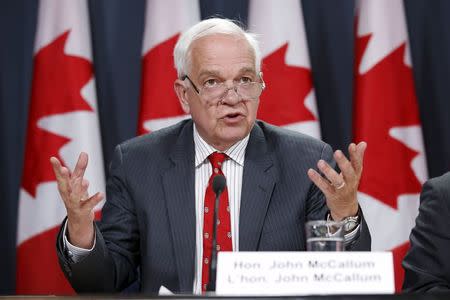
(350, 222)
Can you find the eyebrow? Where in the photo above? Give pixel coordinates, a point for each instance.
(248, 70)
(208, 73)
(217, 73)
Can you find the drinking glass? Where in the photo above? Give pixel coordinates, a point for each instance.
(322, 235)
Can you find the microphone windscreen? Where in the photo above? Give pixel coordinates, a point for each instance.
(219, 183)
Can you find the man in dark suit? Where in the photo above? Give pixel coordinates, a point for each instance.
(427, 263)
(157, 217)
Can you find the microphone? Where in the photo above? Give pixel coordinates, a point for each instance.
(218, 185)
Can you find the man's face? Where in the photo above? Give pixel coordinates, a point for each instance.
(216, 59)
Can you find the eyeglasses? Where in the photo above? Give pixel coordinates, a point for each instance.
(217, 91)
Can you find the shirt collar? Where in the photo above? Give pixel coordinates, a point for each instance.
(203, 149)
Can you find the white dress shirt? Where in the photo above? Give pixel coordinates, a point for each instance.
(233, 169)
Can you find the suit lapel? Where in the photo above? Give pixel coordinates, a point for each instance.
(179, 181)
(258, 183)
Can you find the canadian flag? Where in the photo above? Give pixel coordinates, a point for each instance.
(164, 22)
(62, 122)
(289, 98)
(386, 115)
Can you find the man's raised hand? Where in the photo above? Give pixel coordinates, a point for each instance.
(73, 189)
(341, 189)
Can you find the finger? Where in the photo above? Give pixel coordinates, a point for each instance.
(64, 184)
(61, 174)
(361, 150)
(57, 167)
(335, 178)
(356, 156)
(320, 182)
(344, 164)
(91, 202)
(81, 165)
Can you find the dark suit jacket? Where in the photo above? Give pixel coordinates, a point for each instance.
(427, 263)
(149, 216)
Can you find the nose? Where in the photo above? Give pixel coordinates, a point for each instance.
(232, 97)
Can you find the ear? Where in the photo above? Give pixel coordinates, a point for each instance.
(181, 91)
(261, 77)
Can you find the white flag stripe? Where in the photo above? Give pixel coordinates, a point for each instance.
(277, 24)
(56, 17)
(385, 21)
(37, 216)
(389, 227)
(164, 19)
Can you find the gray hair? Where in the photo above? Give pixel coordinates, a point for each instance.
(181, 52)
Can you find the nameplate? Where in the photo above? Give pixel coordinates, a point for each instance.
(304, 273)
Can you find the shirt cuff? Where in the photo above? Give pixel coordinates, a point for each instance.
(74, 253)
(351, 236)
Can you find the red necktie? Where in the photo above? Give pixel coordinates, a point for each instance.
(224, 242)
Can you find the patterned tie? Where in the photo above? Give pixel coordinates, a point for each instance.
(224, 242)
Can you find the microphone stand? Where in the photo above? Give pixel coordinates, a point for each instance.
(219, 185)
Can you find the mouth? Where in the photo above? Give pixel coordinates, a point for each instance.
(233, 117)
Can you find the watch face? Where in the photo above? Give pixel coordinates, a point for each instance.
(348, 226)
(350, 223)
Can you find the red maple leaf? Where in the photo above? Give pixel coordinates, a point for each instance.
(283, 100)
(158, 99)
(385, 98)
(57, 81)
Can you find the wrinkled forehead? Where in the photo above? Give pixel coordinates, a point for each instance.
(220, 49)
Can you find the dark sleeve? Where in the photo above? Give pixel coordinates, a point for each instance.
(427, 263)
(317, 209)
(363, 240)
(112, 264)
